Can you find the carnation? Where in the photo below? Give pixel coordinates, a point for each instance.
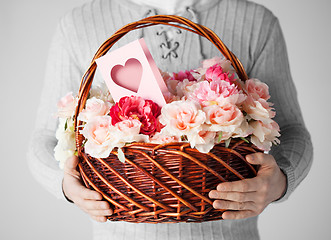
(216, 73)
(135, 107)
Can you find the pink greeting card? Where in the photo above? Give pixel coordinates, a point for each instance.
(131, 70)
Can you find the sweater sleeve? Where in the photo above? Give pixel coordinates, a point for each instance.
(62, 76)
(295, 152)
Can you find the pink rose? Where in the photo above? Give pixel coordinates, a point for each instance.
(94, 107)
(259, 109)
(216, 72)
(257, 89)
(129, 126)
(203, 141)
(67, 106)
(100, 137)
(264, 134)
(128, 131)
(181, 118)
(226, 117)
(160, 138)
(135, 107)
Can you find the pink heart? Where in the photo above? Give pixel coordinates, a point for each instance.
(128, 76)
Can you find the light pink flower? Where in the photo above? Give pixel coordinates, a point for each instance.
(264, 134)
(185, 88)
(259, 109)
(203, 141)
(221, 61)
(129, 126)
(207, 63)
(94, 107)
(243, 130)
(128, 131)
(211, 93)
(226, 117)
(160, 138)
(67, 106)
(100, 137)
(181, 118)
(257, 89)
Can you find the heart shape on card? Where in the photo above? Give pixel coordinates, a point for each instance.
(129, 75)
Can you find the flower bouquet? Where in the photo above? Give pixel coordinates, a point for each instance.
(158, 164)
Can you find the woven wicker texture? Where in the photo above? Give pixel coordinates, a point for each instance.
(169, 182)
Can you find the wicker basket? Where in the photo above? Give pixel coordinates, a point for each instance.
(168, 182)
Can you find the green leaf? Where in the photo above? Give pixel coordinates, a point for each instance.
(66, 125)
(244, 139)
(120, 155)
(220, 137)
(227, 142)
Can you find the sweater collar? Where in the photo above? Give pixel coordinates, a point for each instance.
(144, 8)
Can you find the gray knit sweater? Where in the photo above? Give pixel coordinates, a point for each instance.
(249, 30)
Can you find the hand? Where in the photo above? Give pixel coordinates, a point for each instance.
(251, 196)
(88, 200)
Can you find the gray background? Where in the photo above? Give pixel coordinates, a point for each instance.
(27, 211)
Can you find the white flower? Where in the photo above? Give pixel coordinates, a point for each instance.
(203, 141)
(66, 145)
(101, 92)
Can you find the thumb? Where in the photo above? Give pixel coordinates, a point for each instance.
(70, 167)
(259, 159)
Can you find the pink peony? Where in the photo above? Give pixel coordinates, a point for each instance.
(258, 109)
(135, 107)
(67, 106)
(211, 93)
(257, 89)
(216, 72)
(264, 134)
(181, 118)
(94, 107)
(226, 117)
(180, 76)
(223, 62)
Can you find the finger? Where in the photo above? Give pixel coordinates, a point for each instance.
(231, 205)
(95, 205)
(260, 159)
(238, 214)
(99, 218)
(233, 196)
(90, 194)
(246, 185)
(102, 213)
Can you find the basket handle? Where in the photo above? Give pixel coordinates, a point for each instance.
(170, 20)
